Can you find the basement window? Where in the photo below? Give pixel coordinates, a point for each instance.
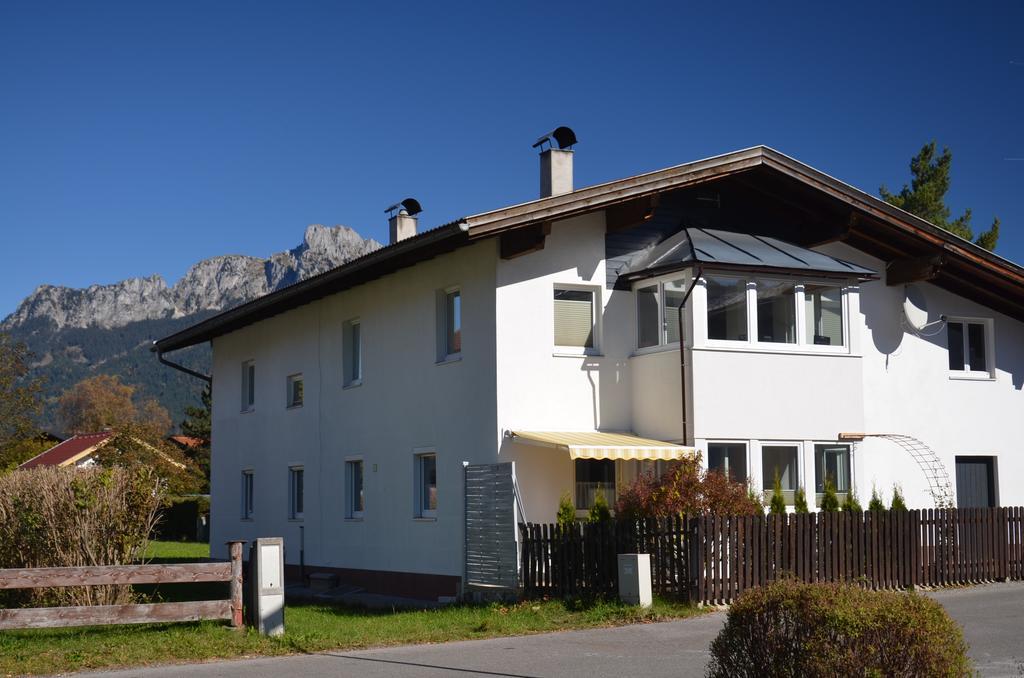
(968, 342)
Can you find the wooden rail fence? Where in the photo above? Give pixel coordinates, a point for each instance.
(100, 575)
(712, 559)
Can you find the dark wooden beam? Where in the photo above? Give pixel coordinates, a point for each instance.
(524, 240)
(913, 269)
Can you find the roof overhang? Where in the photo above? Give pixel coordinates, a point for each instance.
(601, 445)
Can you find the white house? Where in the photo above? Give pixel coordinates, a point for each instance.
(825, 333)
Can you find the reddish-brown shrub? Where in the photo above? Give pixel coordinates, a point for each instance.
(684, 489)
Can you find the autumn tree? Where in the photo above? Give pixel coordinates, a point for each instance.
(926, 197)
(103, 402)
(19, 403)
(685, 488)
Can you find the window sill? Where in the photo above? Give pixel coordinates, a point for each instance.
(250, 519)
(577, 354)
(355, 383)
(448, 360)
(742, 347)
(424, 519)
(248, 411)
(294, 407)
(354, 519)
(971, 376)
(295, 520)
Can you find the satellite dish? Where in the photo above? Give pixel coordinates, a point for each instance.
(915, 307)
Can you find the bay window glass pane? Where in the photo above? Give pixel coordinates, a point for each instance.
(779, 461)
(833, 462)
(955, 342)
(647, 316)
(594, 477)
(976, 347)
(776, 312)
(730, 459)
(574, 318)
(824, 311)
(675, 291)
(727, 309)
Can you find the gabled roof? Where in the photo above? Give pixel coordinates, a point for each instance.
(71, 451)
(874, 225)
(737, 250)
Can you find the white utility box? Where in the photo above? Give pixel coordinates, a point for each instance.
(635, 579)
(266, 578)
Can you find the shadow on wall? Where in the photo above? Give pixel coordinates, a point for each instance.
(885, 317)
(608, 374)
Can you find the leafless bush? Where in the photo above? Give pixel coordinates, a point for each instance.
(62, 517)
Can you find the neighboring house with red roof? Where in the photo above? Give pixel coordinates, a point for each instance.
(187, 442)
(77, 450)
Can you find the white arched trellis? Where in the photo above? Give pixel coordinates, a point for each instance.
(934, 470)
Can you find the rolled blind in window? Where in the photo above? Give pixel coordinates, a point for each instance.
(574, 318)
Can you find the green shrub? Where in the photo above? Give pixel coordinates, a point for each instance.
(829, 500)
(800, 501)
(898, 504)
(815, 630)
(778, 504)
(756, 503)
(876, 503)
(566, 511)
(600, 512)
(851, 503)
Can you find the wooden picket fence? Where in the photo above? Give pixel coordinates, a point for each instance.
(104, 575)
(712, 559)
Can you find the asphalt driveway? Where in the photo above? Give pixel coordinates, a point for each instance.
(992, 616)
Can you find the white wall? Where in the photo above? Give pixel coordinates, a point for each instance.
(406, 401)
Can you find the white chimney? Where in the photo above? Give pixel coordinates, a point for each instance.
(402, 224)
(556, 163)
(555, 172)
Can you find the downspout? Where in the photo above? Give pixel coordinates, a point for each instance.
(181, 368)
(682, 350)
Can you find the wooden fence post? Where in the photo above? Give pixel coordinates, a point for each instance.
(235, 549)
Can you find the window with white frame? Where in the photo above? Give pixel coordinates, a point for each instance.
(352, 352)
(780, 463)
(832, 462)
(294, 390)
(449, 323)
(355, 501)
(823, 315)
(729, 459)
(594, 477)
(657, 313)
(968, 343)
(575, 311)
(248, 385)
(247, 495)
(727, 308)
(296, 492)
(426, 484)
(768, 312)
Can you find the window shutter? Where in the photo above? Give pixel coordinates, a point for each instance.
(574, 318)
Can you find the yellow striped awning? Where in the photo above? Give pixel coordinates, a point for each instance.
(598, 445)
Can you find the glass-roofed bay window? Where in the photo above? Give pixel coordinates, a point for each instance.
(657, 313)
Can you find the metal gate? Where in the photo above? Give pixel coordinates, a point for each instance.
(492, 558)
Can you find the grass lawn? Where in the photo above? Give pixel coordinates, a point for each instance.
(310, 628)
(177, 551)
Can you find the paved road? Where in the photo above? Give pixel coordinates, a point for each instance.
(993, 617)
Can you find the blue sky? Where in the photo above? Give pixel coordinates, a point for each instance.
(137, 138)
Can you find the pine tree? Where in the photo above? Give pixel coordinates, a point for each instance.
(897, 500)
(925, 197)
(778, 505)
(830, 500)
(599, 512)
(876, 503)
(800, 501)
(197, 424)
(851, 504)
(566, 511)
(756, 503)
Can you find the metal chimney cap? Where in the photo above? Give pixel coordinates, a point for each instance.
(411, 206)
(563, 136)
